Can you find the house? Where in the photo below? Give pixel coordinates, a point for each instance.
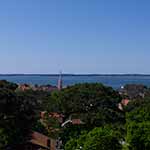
(57, 116)
(76, 121)
(54, 115)
(42, 141)
(133, 91)
(47, 88)
(24, 87)
(39, 142)
(123, 103)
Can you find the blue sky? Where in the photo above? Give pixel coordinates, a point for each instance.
(75, 36)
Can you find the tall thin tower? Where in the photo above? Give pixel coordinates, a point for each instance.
(59, 86)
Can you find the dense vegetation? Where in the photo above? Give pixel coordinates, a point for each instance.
(103, 126)
(17, 116)
(97, 139)
(138, 126)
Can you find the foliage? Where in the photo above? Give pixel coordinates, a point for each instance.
(98, 103)
(138, 127)
(75, 143)
(17, 116)
(39, 127)
(97, 139)
(52, 126)
(94, 104)
(8, 85)
(86, 97)
(138, 135)
(72, 131)
(3, 138)
(52, 103)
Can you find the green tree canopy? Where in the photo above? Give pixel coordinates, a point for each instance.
(138, 127)
(97, 139)
(95, 103)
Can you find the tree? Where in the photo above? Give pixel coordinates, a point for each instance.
(17, 117)
(97, 139)
(74, 143)
(8, 85)
(39, 127)
(94, 104)
(51, 103)
(138, 135)
(72, 132)
(138, 127)
(3, 139)
(97, 103)
(52, 125)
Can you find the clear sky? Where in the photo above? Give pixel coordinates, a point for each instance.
(75, 36)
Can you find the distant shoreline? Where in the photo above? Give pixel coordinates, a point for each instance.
(75, 74)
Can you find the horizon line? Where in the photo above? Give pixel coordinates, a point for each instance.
(74, 74)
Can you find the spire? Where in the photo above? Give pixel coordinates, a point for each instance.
(59, 86)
